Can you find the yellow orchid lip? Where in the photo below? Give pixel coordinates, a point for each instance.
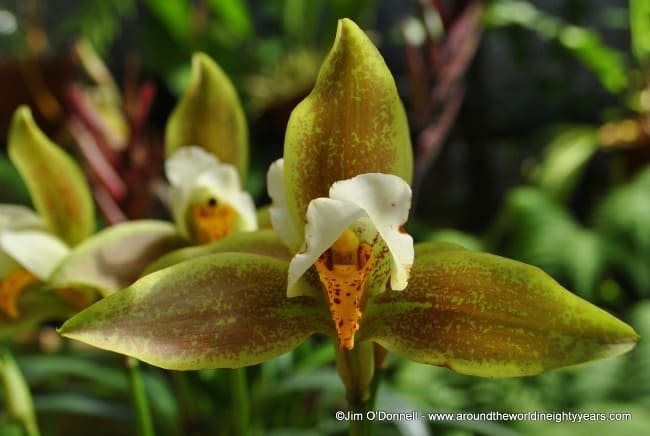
(343, 270)
(10, 288)
(212, 221)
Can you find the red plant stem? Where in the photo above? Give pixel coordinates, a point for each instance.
(87, 114)
(430, 140)
(97, 162)
(141, 108)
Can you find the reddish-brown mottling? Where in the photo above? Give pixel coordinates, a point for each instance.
(344, 286)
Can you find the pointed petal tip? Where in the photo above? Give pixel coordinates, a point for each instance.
(23, 114)
(200, 63)
(22, 122)
(346, 25)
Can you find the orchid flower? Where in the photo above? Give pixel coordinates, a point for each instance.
(207, 157)
(52, 263)
(28, 253)
(354, 238)
(340, 201)
(206, 197)
(33, 244)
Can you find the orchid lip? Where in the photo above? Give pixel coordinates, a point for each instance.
(375, 206)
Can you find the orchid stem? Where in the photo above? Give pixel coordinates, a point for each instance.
(360, 408)
(356, 368)
(140, 402)
(241, 406)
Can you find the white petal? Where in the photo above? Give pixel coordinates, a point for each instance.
(326, 220)
(14, 217)
(279, 210)
(187, 163)
(38, 252)
(182, 170)
(179, 202)
(386, 200)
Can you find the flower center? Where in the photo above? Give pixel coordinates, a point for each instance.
(343, 269)
(212, 221)
(11, 287)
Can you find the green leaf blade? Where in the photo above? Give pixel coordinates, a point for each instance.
(225, 310)
(57, 186)
(484, 315)
(640, 30)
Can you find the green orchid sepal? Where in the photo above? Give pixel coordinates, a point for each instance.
(223, 310)
(57, 186)
(353, 122)
(210, 115)
(485, 315)
(115, 257)
(476, 313)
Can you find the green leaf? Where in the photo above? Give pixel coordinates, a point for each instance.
(82, 404)
(116, 256)
(640, 30)
(489, 316)
(264, 242)
(585, 44)
(34, 306)
(234, 16)
(564, 159)
(57, 186)
(543, 233)
(210, 116)
(225, 310)
(622, 218)
(174, 16)
(49, 370)
(15, 393)
(352, 123)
